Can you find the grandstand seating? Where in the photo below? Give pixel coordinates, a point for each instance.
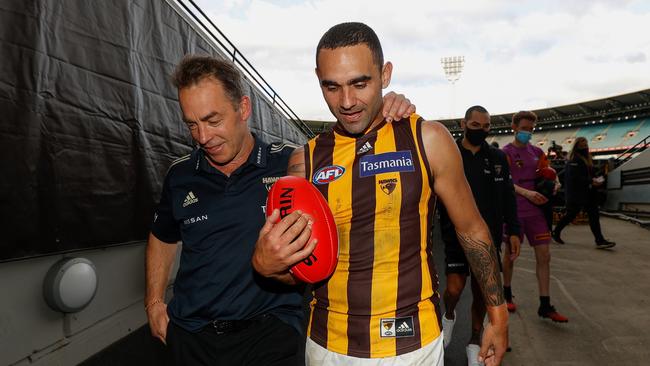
(614, 136)
(644, 129)
(602, 137)
(593, 133)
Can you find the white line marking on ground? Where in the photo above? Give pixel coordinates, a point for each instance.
(568, 296)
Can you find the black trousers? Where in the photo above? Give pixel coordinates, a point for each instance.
(267, 342)
(572, 210)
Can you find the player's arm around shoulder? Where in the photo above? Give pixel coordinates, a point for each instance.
(451, 186)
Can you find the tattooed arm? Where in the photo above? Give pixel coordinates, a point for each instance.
(451, 186)
(482, 257)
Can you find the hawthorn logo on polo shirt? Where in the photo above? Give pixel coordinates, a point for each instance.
(268, 182)
(328, 174)
(397, 161)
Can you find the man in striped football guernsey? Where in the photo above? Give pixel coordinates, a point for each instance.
(381, 304)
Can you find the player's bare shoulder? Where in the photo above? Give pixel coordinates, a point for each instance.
(439, 146)
(432, 130)
(436, 138)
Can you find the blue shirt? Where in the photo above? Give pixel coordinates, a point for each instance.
(218, 219)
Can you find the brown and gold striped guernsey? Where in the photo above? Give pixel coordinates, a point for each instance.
(382, 299)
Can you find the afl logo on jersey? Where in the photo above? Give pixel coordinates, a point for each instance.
(328, 174)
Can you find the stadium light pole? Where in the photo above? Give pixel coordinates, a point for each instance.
(453, 67)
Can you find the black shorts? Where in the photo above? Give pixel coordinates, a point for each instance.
(269, 342)
(456, 261)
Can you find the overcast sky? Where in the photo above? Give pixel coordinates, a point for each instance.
(518, 54)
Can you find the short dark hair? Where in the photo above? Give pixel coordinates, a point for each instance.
(194, 68)
(524, 115)
(352, 34)
(474, 108)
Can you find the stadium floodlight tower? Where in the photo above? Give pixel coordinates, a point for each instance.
(453, 67)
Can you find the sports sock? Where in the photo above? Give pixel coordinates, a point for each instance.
(507, 293)
(545, 302)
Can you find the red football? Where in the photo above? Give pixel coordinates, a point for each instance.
(294, 193)
(546, 173)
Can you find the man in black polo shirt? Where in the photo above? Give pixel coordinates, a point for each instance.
(213, 200)
(488, 175)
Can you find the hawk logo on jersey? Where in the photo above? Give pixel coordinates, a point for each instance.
(398, 161)
(388, 185)
(328, 174)
(397, 327)
(387, 327)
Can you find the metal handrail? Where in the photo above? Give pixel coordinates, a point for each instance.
(239, 59)
(627, 154)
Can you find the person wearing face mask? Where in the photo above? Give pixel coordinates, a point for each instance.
(525, 160)
(580, 193)
(487, 172)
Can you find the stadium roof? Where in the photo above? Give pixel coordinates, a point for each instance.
(636, 104)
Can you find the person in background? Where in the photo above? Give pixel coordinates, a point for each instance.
(525, 160)
(580, 183)
(487, 172)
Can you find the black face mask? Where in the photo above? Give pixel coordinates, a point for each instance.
(475, 137)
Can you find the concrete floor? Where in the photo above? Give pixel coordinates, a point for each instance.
(605, 294)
